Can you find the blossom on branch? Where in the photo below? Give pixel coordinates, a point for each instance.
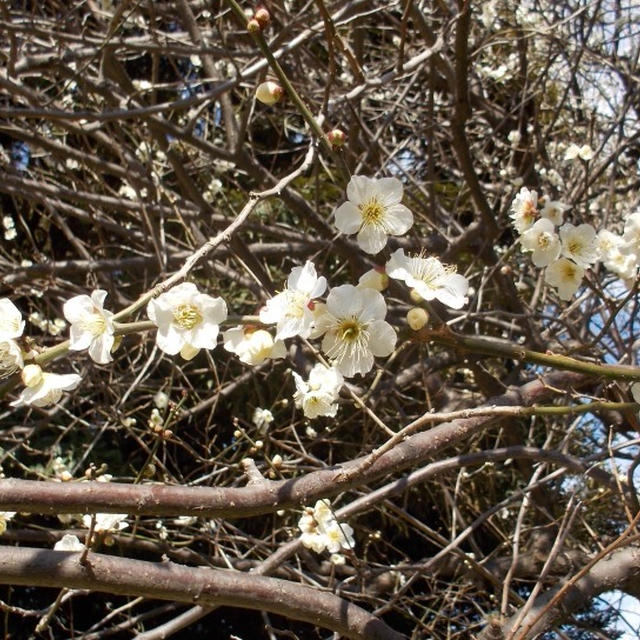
(10, 357)
(429, 278)
(43, 389)
(187, 320)
(565, 276)
(292, 309)
(524, 210)
(321, 530)
(91, 325)
(543, 241)
(317, 396)
(106, 522)
(373, 211)
(253, 346)
(579, 243)
(355, 330)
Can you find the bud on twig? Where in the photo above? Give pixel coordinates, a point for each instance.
(336, 137)
(253, 26)
(417, 318)
(269, 92)
(262, 16)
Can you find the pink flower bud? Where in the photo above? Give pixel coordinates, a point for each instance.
(336, 137)
(269, 92)
(262, 16)
(253, 26)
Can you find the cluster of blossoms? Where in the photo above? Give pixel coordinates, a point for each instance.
(566, 252)
(351, 322)
(321, 530)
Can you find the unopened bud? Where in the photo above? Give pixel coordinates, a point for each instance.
(336, 137)
(65, 476)
(32, 375)
(276, 461)
(259, 444)
(253, 26)
(269, 92)
(262, 16)
(417, 318)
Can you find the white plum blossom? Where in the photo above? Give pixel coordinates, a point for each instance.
(355, 330)
(318, 395)
(542, 240)
(91, 325)
(253, 346)
(376, 279)
(579, 243)
(262, 418)
(292, 309)
(106, 522)
(161, 400)
(584, 152)
(68, 542)
(373, 211)
(5, 516)
(554, 210)
(524, 209)
(565, 276)
(42, 388)
(10, 357)
(429, 278)
(321, 530)
(11, 322)
(187, 320)
(631, 235)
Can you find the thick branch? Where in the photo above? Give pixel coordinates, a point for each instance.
(169, 581)
(160, 500)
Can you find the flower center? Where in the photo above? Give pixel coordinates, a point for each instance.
(569, 271)
(296, 303)
(543, 240)
(187, 316)
(372, 212)
(349, 330)
(574, 247)
(95, 325)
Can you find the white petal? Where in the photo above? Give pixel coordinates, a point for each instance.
(100, 349)
(389, 191)
(373, 305)
(398, 219)
(345, 300)
(453, 290)
(372, 238)
(382, 339)
(360, 189)
(77, 308)
(348, 218)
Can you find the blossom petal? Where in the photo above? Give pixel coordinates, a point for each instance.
(398, 219)
(348, 218)
(452, 290)
(382, 340)
(360, 189)
(345, 300)
(389, 191)
(372, 238)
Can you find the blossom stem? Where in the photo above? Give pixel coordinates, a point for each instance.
(504, 348)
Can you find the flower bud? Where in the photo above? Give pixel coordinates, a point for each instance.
(336, 137)
(262, 16)
(417, 318)
(276, 461)
(269, 92)
(32, 375)
(253, 26)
